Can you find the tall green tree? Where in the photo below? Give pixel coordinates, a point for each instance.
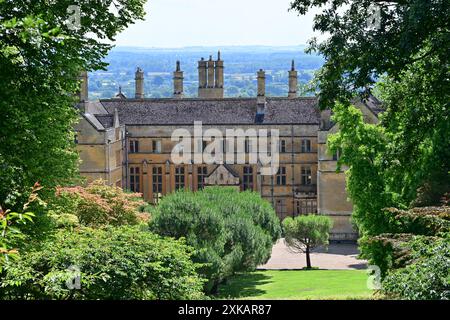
(43, 48)
(369, 38)
(399, 51)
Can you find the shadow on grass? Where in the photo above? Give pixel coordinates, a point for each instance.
(243, 286)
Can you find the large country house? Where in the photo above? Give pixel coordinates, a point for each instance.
(127, 142)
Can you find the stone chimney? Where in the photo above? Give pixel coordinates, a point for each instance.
(83, 93)
(211, 76)
(261, 87)
(139, 83)
(293, 82)
(219, 72)
(178, 82)
(202, 73)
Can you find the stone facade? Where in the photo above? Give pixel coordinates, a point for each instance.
(127, 142)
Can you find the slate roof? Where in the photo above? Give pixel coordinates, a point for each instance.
(107, 120)
(94, 121)
(210, 111)
(374, 105)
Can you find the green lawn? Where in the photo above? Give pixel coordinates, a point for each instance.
(297, 284)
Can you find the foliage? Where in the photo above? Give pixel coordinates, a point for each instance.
(357, 54)
(427, 277)
(11, 234)
(41, 56)
(402, 162)
(409, 151)
(112, 263)
(417, 121)
(231, 231)
(98, 204)
(361, 148)
(304, 233)
(394, 251)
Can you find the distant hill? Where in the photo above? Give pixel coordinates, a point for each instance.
(241, 65)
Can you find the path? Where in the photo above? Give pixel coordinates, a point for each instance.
(338, 256)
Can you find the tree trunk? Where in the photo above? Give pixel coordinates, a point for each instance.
(215, 288)
(308, 258)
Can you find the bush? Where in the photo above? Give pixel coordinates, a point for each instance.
(232, 231)
(427, 277)
(114, 263)
(391, 251)
(99, 204)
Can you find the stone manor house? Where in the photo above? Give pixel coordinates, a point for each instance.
(127, 142)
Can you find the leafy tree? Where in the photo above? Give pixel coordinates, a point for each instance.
(10, 233)
(41, 56)
(112, 263)
(99, 204)
(304, 233)
(393, 251)
(369, 38)
(406, 51)
(403, 161)
(231, 231)
(361, 146)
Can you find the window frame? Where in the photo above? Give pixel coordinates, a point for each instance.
(202, 173)
(281, 176)
(305, 177)
(134, 146)
(135, 179)
(157, 180)
(247, 178)
(180, 178)
(306, 146)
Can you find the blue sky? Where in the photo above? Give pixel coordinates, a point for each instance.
(181, 23)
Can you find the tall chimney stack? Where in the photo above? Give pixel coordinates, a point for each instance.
(293, 82)
(219, 72)
(211, 78)
(261, 87)
(210, 72)
(178, 82)
(202, 73)
(139, 83)
(83, 94)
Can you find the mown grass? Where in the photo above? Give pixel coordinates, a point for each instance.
(297, 284)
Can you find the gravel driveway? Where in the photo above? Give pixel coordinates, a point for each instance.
(338, 256)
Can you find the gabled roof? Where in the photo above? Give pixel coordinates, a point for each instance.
(93, 121)
(107, 120)
(227, 167)
(373, 104)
